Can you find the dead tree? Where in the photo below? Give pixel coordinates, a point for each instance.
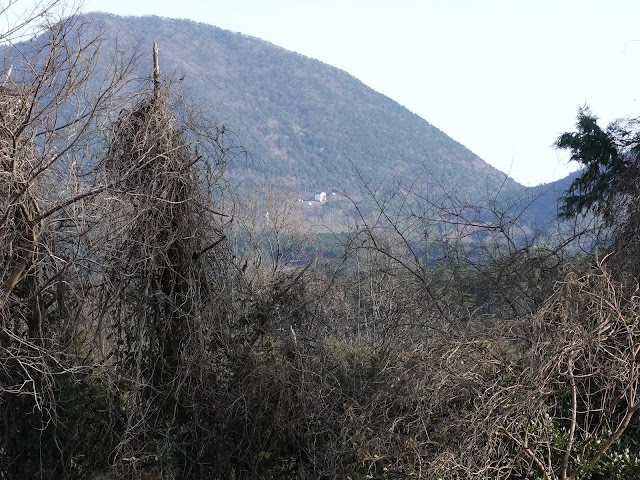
(161, 239)
(48, 113)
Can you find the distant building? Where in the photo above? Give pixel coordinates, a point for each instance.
(320, 197)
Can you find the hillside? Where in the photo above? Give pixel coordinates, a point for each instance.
(306, 125)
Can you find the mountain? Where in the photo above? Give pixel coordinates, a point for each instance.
(306, 125)
(546, 205)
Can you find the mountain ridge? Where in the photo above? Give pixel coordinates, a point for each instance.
(307, 124)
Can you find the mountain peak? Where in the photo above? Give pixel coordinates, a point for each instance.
(306, 124)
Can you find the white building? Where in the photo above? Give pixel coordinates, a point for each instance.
(320, 197)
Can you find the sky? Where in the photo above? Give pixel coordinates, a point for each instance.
(503, 77)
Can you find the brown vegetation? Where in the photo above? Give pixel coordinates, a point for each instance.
(153, 326)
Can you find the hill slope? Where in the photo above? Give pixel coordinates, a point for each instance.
(307, 125)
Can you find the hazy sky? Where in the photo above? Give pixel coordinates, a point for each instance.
(502, 77)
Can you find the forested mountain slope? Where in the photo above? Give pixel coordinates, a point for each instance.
(305, 124)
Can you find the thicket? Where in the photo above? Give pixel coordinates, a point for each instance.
(153, 325)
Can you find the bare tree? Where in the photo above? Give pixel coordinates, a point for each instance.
(49, 107)
(160, 242)
(548, 395)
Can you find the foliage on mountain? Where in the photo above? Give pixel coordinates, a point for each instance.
(305, 123)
